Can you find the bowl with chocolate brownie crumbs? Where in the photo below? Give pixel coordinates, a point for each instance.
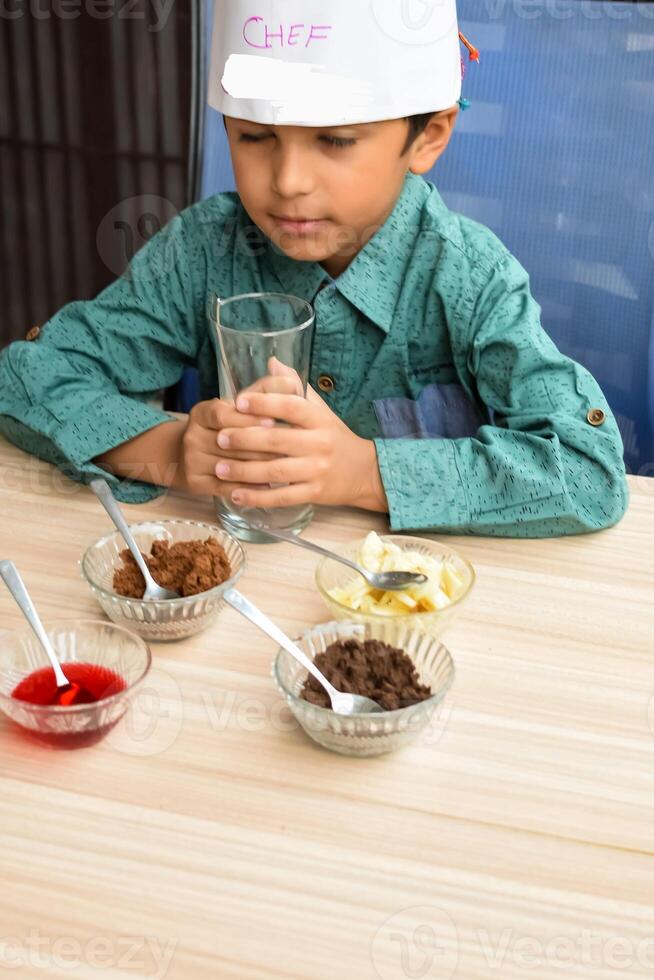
(408, 672)
(198, 560)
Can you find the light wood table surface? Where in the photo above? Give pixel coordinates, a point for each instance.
(209, 838)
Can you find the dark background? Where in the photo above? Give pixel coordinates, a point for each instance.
(95, 145)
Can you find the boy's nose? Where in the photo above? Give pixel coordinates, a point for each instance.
(292, 173)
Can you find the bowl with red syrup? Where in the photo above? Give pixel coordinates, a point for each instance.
(106, 661)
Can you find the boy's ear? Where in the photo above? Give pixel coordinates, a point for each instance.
(428, 146)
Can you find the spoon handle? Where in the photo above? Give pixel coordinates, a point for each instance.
(102, 490)
(246, 608)
(309, 545)
(18, 589)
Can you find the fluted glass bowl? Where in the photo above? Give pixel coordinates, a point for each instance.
(331, 574)
(85, 641)
(161, 619)
(366, 734)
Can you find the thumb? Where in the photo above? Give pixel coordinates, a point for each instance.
(279, 370)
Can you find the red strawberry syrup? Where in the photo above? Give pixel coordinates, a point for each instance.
(40, 688)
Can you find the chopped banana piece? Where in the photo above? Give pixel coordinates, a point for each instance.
(372, 550)
(406, 600)
(451, 582)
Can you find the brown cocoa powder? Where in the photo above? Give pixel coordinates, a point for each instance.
(188, 567)
(373, 669)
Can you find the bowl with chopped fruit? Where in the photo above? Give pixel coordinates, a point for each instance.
(406, 671)
(430, 607)
(200, 561)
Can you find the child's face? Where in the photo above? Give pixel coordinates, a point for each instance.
(342, 180)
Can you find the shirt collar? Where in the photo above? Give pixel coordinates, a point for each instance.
(301, 279)
(373, 280)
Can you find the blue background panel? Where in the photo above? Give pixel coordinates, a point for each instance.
(555, 155)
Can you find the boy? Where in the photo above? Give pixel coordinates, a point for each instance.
(439, 400)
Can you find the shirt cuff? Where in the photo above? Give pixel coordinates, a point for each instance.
(422, 483)
(105, 424)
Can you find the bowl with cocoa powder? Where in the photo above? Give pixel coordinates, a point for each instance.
(198, 560)
(408, 672)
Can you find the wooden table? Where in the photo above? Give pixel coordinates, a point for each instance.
(209, 838)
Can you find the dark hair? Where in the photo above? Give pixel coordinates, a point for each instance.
(417, 125)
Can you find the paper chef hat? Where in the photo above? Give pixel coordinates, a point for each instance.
(333, 62)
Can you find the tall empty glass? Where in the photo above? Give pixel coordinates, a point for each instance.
(251, 329)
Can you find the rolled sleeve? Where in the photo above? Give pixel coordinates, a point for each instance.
(422, 484)
(81, 385)
(551, 464)
(88, 438)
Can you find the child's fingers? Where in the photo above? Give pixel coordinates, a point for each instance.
(219, 446)
(280, 470)
(290, 496)
(218, 414)
(211, 486)
(202, 443)
(201, 478)
(280, 441)
(280, 384)
(285, 408)
(242, 454)
(278, 369)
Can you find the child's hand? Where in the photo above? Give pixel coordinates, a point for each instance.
(317, 457)
(200, 452)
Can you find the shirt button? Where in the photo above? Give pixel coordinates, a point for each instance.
(326, 382)
(33, 333)
(596, 416)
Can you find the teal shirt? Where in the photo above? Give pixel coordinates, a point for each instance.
(431, 338)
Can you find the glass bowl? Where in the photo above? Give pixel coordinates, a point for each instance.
(160, 619)
(92, 642)
(366, 734)
(332, 574)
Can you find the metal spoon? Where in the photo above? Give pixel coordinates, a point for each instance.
(386, 581)
(342, 704)
(102, 490)
(68, 692)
